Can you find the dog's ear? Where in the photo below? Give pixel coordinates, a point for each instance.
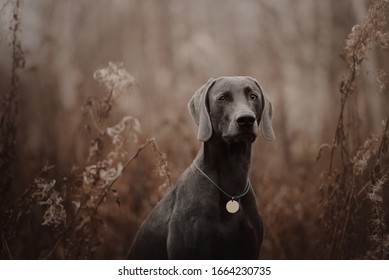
(198, 109)
(267, 115)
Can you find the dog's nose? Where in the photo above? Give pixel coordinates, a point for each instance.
(245, 120)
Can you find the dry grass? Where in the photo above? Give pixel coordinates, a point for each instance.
(68, 207)
(356, 174)
(90, 208)
(9, 108)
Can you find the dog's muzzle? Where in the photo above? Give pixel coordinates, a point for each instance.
(243, 127)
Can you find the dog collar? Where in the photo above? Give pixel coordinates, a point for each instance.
(232, 205)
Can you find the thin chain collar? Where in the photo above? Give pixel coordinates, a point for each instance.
(236, 197)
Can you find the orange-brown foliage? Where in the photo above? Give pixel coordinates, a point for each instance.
(87, 149)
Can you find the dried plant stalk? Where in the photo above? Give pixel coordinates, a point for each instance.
(9, 106)
(341, 188)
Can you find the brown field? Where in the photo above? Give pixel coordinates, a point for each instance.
(94, 126)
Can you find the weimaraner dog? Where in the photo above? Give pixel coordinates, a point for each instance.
(211, 213)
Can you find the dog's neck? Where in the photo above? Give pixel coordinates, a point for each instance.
(226, 163)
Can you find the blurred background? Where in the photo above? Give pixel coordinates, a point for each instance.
(172, 47)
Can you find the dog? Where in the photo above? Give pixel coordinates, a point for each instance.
(211, 213)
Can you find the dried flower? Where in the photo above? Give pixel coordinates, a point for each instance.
(115, 78)
(364, 153)
(111, 174)
(55, 215)
(128, 122)
(42, 188)
(44, 194)
(382, 79)
(379, 239)
(90, 174)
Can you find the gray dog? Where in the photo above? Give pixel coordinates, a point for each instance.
(211, 213)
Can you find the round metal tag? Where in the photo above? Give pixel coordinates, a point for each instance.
(232, 206)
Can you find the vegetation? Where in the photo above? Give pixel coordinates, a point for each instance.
(85, 153)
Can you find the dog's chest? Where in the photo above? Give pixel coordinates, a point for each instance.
(236, 224)
(236, 237)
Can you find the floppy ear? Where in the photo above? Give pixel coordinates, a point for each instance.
(267, 115)
(198, 109)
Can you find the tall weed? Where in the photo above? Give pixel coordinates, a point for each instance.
(356, 174)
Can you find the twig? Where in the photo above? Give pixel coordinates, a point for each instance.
(321, 148)
(67, 230)
(348, 209)
(136, 154)
(383, 139)
(162, 160)
(345, 90)
(5, 245)
(3, 7)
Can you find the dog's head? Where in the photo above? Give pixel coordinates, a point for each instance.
(234, 108)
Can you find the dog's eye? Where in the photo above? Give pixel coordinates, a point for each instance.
(222, 98)
(253, 96)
